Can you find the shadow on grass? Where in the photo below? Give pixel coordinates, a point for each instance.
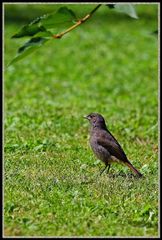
(124, 175)
(91, 178)
(112, 175)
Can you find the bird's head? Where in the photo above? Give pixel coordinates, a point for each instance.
(96, 120)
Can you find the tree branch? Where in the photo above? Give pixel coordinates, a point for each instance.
(79, 22)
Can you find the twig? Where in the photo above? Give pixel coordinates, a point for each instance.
(79, 22)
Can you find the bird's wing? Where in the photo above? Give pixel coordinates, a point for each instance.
(110, 143)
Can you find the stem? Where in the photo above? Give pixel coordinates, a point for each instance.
(79, 22)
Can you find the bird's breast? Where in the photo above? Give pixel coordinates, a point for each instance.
(100, 152)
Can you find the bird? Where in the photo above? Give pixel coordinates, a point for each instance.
(105, 146)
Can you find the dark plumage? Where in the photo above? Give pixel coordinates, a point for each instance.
(105, 146)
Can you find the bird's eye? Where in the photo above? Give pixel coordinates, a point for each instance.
(94, 118)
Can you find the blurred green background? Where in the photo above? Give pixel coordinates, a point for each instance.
(108, 65)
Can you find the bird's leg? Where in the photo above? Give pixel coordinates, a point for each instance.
(103, 170)
(108, 168)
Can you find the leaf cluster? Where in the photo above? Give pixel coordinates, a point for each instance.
(46, 27)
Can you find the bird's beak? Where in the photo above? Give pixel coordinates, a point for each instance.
(86, 117)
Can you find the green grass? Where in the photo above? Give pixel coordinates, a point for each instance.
(52, 185)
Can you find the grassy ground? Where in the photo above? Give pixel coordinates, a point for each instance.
(51, 177)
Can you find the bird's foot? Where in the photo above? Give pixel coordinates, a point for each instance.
(103, 170)
(108, 168)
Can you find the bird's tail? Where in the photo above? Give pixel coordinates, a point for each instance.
(133, 169)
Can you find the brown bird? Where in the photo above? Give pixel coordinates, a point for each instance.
(105, 146)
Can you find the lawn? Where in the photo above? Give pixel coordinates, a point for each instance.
(52, 185)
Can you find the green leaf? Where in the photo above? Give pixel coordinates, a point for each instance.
(61, 18)
(30, 29)
(39, 28)
(127, 9)
(29, 47)
(124, 8)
